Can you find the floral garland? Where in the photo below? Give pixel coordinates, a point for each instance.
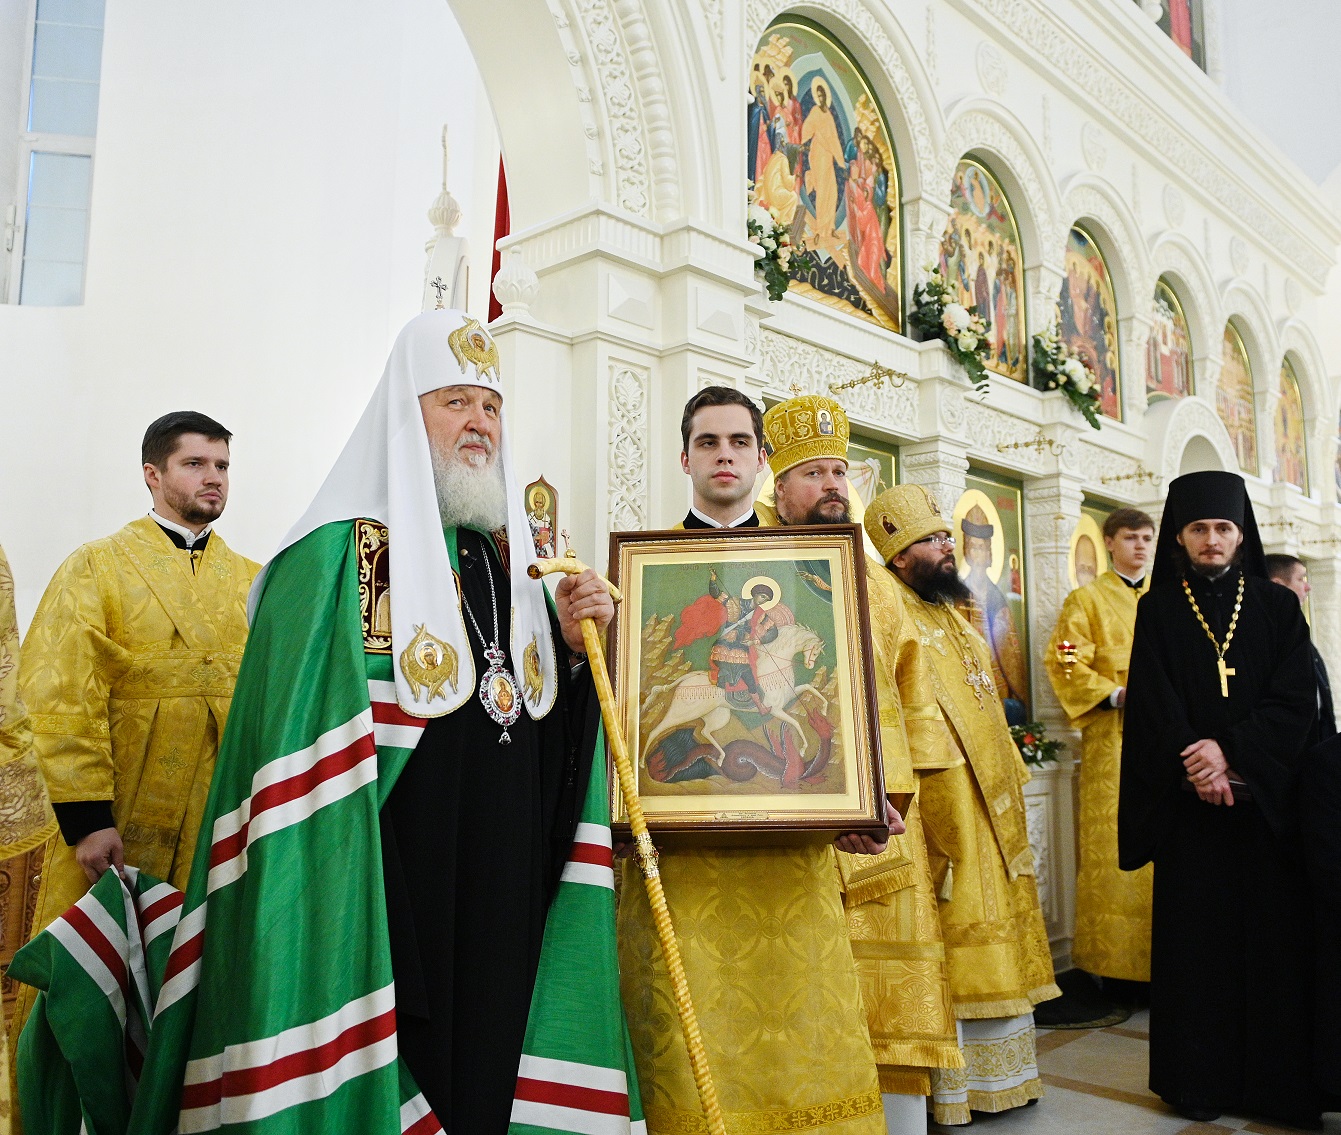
(1033, 742)
(938, 315)
(1057, 367)
(775, 243)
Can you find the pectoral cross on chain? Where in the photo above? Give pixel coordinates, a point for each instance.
(978, 680)
(1226, 672)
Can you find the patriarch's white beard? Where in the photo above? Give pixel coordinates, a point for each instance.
(470, 495)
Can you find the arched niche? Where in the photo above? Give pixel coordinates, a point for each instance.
(1169, 363)
(1177, 260)
(1089, 316)
(1199, 455)
(892, 65)
(1290, 433)
(981, 256)
(1171, 426)
(1236, 399)
(986, 132)
(820, 157)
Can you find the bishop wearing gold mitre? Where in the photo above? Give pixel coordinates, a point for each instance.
(1087, 661)
(128, 670)
(972, 808)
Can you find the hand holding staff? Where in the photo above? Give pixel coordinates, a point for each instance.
(643, 849)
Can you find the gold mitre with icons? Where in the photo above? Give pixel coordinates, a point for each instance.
(899, 517)
(804, 428)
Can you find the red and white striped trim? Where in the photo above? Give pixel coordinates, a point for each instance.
(392, 726)
(290, 789)
(590, 860)
(182, 973)
(582, 1098)
(160, 911)
(250, 1081)
(92, 937)
(417, 1118)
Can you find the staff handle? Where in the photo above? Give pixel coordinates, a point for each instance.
(645, 852)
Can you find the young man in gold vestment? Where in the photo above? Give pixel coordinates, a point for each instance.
(972, 802)
(761, 930)
(1090, 680)
(128, 671)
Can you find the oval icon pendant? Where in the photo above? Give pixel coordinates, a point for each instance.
(499, 692)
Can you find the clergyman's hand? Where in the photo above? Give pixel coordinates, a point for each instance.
(578, 597)
(1204, 761)
(859, 843)
(1216, 791)
(98, 851)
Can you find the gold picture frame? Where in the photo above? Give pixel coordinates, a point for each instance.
(742, 672)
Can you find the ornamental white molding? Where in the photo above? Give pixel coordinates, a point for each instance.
(658, 135)
(994, 133)
(1095, 204)
(1043, 38)
(1238, 255)
(1175, 256)
(1037, 816)
(629, 490)
(1245, 306)
(1297, 341)
(1094, 146)
(1172, 423)
(992, 72)
(1174, 208)
(784, 360)
(583, 83)
(892, 64)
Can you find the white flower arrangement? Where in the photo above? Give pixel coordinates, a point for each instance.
(938, 315)
(777, 254)
(1057, 367)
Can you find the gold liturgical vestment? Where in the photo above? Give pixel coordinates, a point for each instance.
(25, 817)
(1112, 905)
(128, 671)
(973, 816)
(891, 904)
(764, 942)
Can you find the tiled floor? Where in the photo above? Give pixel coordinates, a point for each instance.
(1096, 1083)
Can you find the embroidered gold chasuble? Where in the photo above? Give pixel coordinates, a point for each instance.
(128, 671)
(765, 948)
(1112, 905)
(25, 816)
(973, 814)
(890, 901)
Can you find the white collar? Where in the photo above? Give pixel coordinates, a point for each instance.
(1134, 582)
(182, 531)
(711, 523)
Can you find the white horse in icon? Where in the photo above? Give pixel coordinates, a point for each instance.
(695, 697)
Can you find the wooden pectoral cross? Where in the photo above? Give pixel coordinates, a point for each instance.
(1226, 672)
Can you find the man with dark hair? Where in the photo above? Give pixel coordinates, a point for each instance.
(722, 439)
(1087, 663)
(1292, 572)
(971, 797)
(128, 672)
(1220, 704)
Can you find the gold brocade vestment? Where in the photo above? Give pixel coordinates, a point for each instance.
(25, 817)
(765, 948)
(128, 671)
(973, 815)
(891, 904)
(1112, 905)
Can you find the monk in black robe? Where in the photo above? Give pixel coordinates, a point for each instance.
(1217, 719)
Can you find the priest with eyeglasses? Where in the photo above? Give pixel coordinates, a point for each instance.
(1221, 701)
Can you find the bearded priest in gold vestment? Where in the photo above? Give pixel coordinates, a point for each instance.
(761, 929)
(128, 670)
(972, 801)
(1089, 677)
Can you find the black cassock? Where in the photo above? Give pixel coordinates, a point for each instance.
(474, 835)
(1320, 832)
(1230, 993)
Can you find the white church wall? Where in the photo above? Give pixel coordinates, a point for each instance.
(258, 229)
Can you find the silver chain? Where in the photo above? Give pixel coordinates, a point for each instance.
(493, 602)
